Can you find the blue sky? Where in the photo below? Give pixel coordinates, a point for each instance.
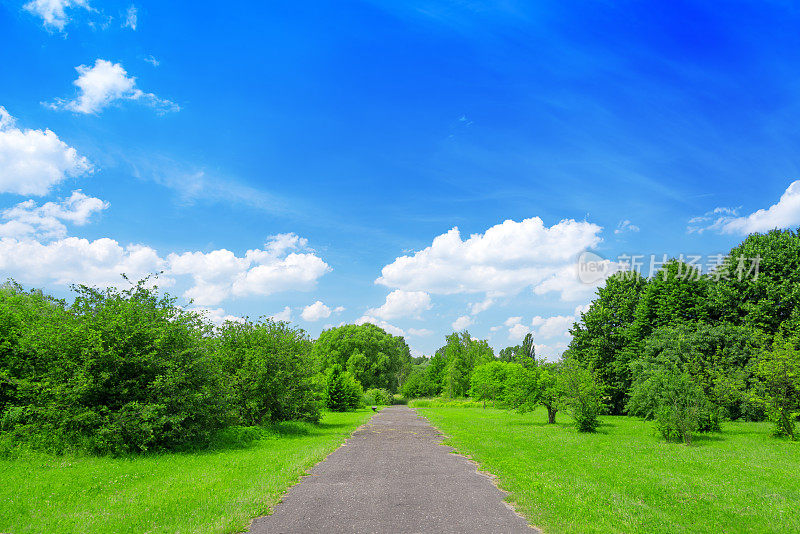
(342, 142)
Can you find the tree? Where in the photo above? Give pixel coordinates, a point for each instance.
(524, 354)
(778, 371)
(600, 338)
(463, 354)
(342, 390)
(268, 368)
(376, 359)
(768, 300)
(488, 381)
(581, 395)
(527, 388)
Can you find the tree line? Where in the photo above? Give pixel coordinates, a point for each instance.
(120, 371)
(685, 349)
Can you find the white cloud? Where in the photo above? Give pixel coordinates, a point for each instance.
(557, 325)
(104, 84)
(152, 60)
(220, 274)
(317, 311)
(420, 332)
(74, 260)
(33, 161)
(784, 214)
(216, 315)
(401, 303)
(505, 259)
(626, 226)
(131, 18)
(27, 219)
(283, 315)
(389, 328)
(462, 322)
(54, 12)
(477, 307)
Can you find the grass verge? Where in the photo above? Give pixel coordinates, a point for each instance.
(624, 479)
(219, 490)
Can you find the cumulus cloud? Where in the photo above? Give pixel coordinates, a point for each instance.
(318, 310)
(626, 226)
(505, 259)
(104, 84)
(54, 12)
(389, 328)
(216, 315)
(784, 214)
(131, 18)
(283, 315)
(401, 303)
(74, 260)
(281, 265)
(33, 161)
(28, 219)
(462, 322)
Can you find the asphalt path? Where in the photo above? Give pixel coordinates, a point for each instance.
(393, 475)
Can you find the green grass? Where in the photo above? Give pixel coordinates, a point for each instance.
(219, 490)
(624, 479)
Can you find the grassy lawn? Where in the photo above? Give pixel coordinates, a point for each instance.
(211, 491)
(623, 479)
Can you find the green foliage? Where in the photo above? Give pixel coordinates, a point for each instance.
(581, 395)
(342, 391)
(378, 397)
(692, 377)
(524, 354)
(599, 340)
(527, 388)
(489, 381)
(268, 371)
(118, 371)
(778, 387)
(463, 354)
(420, 383)
(376, 359)
(768, 302)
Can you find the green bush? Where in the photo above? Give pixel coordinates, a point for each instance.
(778, 388)
(377, 397)
(582, 395)
(342, 391)
(268, 370)
(419, 384)
(117, 371)
(672, 398)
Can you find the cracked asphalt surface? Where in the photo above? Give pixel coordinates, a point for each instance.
(393, 475)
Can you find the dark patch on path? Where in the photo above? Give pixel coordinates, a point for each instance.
(393, 475)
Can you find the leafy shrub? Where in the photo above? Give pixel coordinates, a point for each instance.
(672, 398)
(342, 391)
(117, 371)
(377, 397)
(268, 371)
(489, 381)
(778, 389)
(582, 395)
(419, 384)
